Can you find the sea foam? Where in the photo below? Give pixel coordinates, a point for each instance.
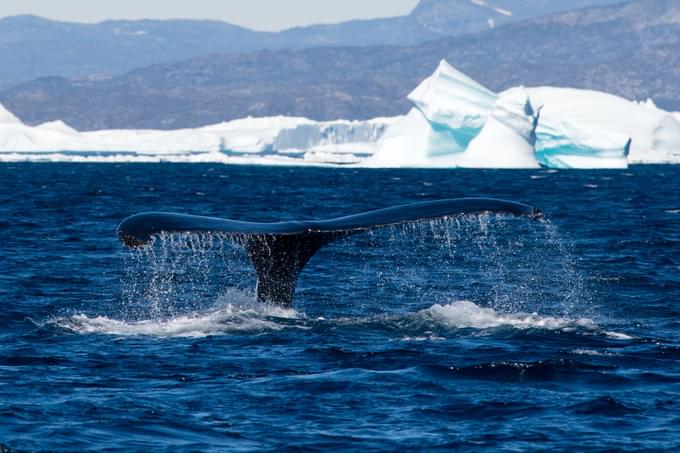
(225, 318)
(468, 315)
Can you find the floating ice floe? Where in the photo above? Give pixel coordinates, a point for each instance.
(455, 122)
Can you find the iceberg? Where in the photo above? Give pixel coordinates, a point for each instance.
(7, 117)
(454, 104)
(455, 122)
(414, 142)
(271, 141)
(450, 110)
(58, 126)
(599, 123)
(561, 145)
(508, 138)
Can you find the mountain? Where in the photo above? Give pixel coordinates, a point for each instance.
(630, 50)
(32, 47)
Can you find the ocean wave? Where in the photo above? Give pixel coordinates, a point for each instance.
(223, 319)
(540, 370)
(468, 315)
(232, 315)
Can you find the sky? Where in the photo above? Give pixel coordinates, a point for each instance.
(270, 15)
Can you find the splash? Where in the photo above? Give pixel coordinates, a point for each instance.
(180, 273)
(508, 264)
(251, 318)
(235, 313)
(514, 267)
(468, 315)
(440, 322)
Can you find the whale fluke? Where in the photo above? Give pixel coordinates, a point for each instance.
(279, 251)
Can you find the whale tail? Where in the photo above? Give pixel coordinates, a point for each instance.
(280, 251)
(279, 259)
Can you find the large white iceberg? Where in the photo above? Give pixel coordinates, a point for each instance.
(508, 138)
(560, 144)
(606, 121)
(454, 103)
(414, 142)
(455, 122)
(463, 124)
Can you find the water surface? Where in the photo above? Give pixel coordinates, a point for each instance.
(482, 332)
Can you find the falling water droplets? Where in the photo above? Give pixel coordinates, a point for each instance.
(180, 273)
(508, 264)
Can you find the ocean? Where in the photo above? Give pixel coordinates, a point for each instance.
(479, 332)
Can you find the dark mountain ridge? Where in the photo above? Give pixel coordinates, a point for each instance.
(32, 47)
(630, 50)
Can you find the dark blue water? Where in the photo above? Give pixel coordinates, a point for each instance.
(482, 332)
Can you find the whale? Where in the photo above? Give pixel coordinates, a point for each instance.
(279, 251)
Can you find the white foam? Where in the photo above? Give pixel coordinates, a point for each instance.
(619, 336)
(224, 319)
(468, 315)
(237, 312)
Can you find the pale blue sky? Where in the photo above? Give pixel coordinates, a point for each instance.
(257, 14)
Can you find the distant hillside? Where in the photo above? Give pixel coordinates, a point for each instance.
(630, 50)
(31, 47)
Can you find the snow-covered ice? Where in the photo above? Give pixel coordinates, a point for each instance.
(597, 116)
(269, 141)
(508, 138)
(455, 122)
(450, 99)
(463, 124)
(7, 117)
